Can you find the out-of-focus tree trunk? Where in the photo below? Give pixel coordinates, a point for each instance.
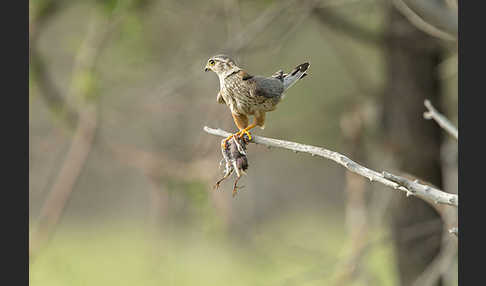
(412, 58)
(352, 128)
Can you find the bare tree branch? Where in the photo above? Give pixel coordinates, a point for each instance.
(437, 14)
(51, 95)
(61, 190)
(420, 23)
(425, 192)
(414, 187)
(440, 119)
(82, 141)
(53, 98)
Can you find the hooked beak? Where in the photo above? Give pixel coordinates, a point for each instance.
(206, 69)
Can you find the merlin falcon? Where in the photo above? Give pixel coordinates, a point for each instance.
(247, 95)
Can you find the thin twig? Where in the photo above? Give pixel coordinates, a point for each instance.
(52, 96)
(437, 14)
(440, 119)
(420, 23)
(422, 191)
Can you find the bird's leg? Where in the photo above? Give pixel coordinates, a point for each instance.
(259, 121)
(241, 121)
(236, 187)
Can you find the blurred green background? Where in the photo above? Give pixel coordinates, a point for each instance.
(121, 172)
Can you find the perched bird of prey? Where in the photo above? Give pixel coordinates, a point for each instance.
(247, 95)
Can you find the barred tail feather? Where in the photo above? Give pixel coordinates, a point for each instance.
(296, 74)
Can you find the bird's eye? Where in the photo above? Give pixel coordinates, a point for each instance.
(211, 63)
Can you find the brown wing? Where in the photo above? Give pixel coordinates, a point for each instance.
(244, 75)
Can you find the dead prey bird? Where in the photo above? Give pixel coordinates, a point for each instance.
(235, 160)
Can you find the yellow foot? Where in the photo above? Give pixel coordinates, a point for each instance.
(223, 145)
(242, 132)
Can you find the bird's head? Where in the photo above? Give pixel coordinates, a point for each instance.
(222, 65)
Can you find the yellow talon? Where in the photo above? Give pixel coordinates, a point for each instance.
(242, 132)
(223, 145)
(245, 131)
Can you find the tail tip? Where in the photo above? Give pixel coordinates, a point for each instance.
(301, 68)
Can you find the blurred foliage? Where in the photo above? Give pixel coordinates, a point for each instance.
(294, 250)
(85, 83)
